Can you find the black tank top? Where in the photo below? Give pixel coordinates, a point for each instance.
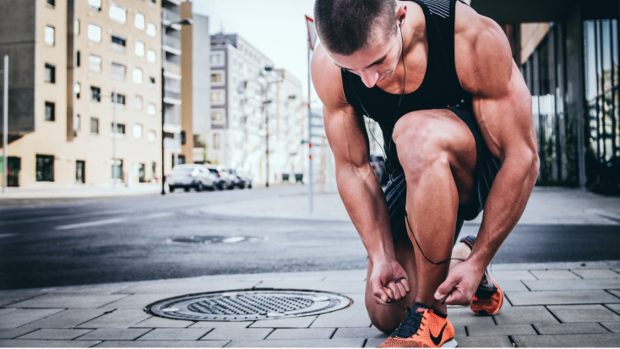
(440, 87)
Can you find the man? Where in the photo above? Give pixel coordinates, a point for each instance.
(458, 134)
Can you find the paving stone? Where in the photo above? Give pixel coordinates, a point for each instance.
(120, 318)
(342, 319)
(484, 342)
(578, 284)
(573, 340)
(302, 333)
(20, 317)
(7, 298)
(20, 343)
(67, 319)
(230, 333)
(499, 275)
(298, 322)
(216, 324)
(10, 333)
(612, 326)
(55, 334)
(175, 334)
(512, 285)
(525, 315)
(118, 334)
(570, 328)
(374, 342)
(463, 316)
(5, 310)
(363, 332)
(596, 273)
(88, 289)
(69, 301)
(139, 301)
(583, 313)
(553, 274)
(615, 292)
(328, 286)
(477, 330)
(561, 297)
(155, 322)
(300, 343)
(162, 344)
(187, 287)
(614, 307)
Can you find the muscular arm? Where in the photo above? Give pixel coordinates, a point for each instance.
(357, 184)
(503, 109)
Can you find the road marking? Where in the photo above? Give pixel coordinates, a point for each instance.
(112, 221)
(7, 235)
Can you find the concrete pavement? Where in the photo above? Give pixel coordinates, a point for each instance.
(560, 305)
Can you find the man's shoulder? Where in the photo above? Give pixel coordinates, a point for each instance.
(327, 79)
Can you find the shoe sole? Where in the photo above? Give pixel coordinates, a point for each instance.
(502, 293)
(450, 344)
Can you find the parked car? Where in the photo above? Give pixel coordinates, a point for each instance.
(219, 182)
(242, 179)
(378, 165)
(226, 180)
(190, 176)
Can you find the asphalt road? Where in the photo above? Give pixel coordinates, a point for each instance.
(90, 241)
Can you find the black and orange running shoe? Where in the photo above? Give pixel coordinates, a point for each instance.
(489, 297)
(423, 328)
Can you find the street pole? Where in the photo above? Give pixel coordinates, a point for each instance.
(5, 123)
(114, 127)
(163, 118)
(267, 142)
(310, 193)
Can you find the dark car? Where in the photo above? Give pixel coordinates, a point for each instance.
(218, 181)
(378, 165)
(190, 176)
(241, 179)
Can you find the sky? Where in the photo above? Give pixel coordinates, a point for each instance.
(275, 27)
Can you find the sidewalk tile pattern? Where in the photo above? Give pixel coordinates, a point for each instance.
(544, 307)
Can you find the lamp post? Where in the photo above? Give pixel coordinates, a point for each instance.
(5, 123)
(184, 21)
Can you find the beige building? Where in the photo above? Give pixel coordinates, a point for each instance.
(67, 58)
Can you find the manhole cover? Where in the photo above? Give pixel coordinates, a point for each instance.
(249, 305)
(214, 239)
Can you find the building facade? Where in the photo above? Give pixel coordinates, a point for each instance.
(76, 68)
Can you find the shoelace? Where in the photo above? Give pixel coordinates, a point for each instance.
(410, 325)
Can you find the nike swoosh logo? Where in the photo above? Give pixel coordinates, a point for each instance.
(437, 340)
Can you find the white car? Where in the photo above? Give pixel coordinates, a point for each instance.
(190, 176)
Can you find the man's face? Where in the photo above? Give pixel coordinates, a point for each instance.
(376, 62)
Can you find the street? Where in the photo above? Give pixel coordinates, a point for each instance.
(150, 237)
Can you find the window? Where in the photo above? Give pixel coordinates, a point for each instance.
(139, 21)
(77, 124)
(217, 78)
(95, 94)
(137, 75)
(151, 109)
(51, 3)
(152, 80)
(216, 141)
(120, 99)
(151, 56)
(77, 89)
(137, 103)
(45, 168)
(151, 29)
(120, 129)
(217, 58)
(94, 33)
(118, 13)
(94, 63)
(152, 137)
(117, 169)
(217, 97)
(137, 131)
(50, 37)
(77, 58)
(217, 116)
(139, 48)
(95, 4)
(94, 126)
(118, 42)
(118, 71)
(50, 111)
(76, 27)
(50, 73)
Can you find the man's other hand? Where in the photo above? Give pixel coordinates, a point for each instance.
(460, 285)
(388, 280)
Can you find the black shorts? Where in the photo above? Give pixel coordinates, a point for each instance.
(487, 166)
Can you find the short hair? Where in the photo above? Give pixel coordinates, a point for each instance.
(346, 26)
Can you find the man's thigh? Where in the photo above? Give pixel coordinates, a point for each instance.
(422, 136)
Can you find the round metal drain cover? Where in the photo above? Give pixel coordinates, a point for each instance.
(249, 305)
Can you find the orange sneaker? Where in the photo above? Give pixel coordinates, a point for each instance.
(489, 297)
(423, 328)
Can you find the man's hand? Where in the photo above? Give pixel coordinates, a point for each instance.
(388, 280)
(460, 285)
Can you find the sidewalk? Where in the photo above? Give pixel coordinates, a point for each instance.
(564, 305)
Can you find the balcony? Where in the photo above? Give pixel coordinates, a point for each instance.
(170, 16)
(172, 42)
(172, 68)
(172, 94)
(173, 145)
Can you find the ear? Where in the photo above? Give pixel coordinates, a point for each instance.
(401, 13)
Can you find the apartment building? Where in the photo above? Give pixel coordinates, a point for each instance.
(84, 89)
